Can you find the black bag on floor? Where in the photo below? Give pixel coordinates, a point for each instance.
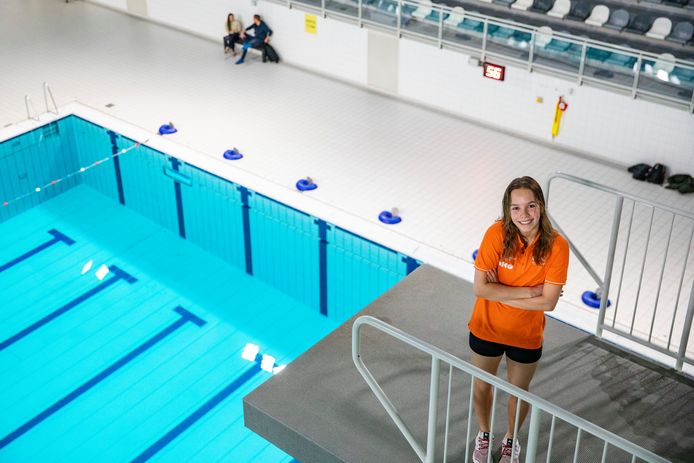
(269, 53)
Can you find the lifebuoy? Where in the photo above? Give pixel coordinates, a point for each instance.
(388, 218)
(167, 129)
(306, 184)
(591, 299)
(232, 154)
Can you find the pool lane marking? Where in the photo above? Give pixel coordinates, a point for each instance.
(200, 412)
(323, 228)
(116, 165)
(245, 211)
(57, 238)
(118, 275)
(175, 163)
(186, 317)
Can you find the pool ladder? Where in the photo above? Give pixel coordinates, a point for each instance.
(47, 94)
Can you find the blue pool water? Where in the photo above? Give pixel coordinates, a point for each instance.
(122, 328)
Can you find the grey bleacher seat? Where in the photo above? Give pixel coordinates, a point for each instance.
(522, 4)
(580, 11)
(598, 16)
(680, 3)
(560, 9)
(504, 2)
(618, 20)
(682, 32)
(640, 24)
(542, 6)
(660, 29)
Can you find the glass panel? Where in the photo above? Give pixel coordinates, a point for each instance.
(614, 66)
(557, 52)
(507, 40)
(381, 12)
(663, 76)
(463, 29)
(421, 19)
(349, 7)
(314, 3)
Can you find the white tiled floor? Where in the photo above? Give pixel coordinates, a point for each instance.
(367, 152)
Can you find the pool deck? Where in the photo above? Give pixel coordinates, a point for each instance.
(320, 410)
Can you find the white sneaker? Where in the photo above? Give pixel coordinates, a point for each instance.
(482, 444)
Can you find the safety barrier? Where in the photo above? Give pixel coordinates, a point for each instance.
(650, 244)
(539, 406)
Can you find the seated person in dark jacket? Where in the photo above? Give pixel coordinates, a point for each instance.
(261, 35)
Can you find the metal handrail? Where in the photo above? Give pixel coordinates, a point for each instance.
(27, 104)
(438, 355)
(604, 284)
(47, 92)
(440, 39)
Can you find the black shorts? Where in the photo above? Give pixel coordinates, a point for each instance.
(493, 349)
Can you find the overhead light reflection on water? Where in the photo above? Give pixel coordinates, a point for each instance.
(102, 272)
(87, 267)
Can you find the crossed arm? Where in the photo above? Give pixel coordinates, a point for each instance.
(541, 297)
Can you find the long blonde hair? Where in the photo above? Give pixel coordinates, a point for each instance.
(546, 233)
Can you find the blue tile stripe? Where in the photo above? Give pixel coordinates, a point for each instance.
(411, 264)
(323, 228)
(245, 210)
(23, 429)
(116, 165)
(118, 275)
(57, 238)
(175, 163)
(199, 413)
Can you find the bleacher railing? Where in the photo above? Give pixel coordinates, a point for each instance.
(640, 74)
(650, 244)
(428, 452)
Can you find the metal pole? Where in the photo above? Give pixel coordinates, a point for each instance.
(533, 434)
(682, 353)
(637, 73)
(582, 66)
(433, 410)
(485, 29)
(616, 220)
(359, 7)
(440, 28)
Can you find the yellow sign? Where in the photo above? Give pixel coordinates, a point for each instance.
(310, 21)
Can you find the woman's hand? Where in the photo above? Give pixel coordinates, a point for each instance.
(492, 276)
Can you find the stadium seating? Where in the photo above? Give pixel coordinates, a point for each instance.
(598, 16)
(682, 33)
(660, 29)
(560, 9)
(618, 20)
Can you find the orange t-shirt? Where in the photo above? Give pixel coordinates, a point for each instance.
(504, 324)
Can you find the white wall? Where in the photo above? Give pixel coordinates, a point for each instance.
(598, 122)
(117, 4)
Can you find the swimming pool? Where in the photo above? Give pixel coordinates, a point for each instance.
(132, 333)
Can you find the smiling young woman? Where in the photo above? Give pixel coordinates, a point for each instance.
(520, 270)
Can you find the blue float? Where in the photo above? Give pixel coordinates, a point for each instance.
(389, 218)
(232, 154)
(167, 129)
(306, 184)
(591, 299)
(474, 255)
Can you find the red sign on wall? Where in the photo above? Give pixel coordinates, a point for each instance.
(493, 71)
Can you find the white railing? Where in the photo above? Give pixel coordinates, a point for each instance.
(539, 406)
(640, 74)
(663, 327)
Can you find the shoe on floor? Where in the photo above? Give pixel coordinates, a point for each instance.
(507, 449)
(482, 441)
(656, 174)
(240, 61)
